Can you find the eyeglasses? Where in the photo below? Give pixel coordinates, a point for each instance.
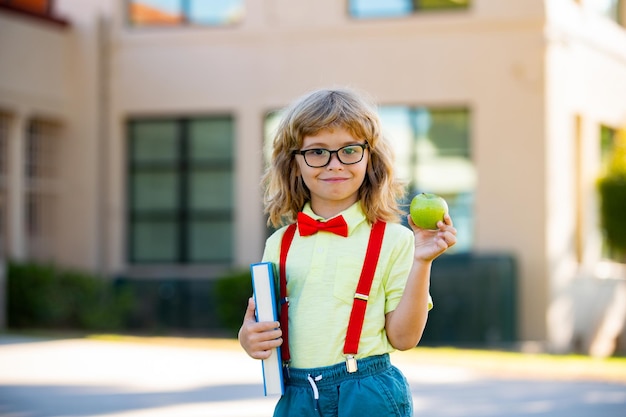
(320, 157)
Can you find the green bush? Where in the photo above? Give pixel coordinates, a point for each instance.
(47, 297)
(613, 214)
(231, 299)
(612, 188)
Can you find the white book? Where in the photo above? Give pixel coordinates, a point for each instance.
(265, 299)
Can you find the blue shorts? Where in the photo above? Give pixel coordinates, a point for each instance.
(376, 389)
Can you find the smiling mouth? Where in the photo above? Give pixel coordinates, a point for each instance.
(334, 179)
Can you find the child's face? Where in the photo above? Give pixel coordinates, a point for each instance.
(333, 187)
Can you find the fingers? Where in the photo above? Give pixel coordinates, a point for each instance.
(446, 225)
(447, 232)
(410, 220)
(448, 238)
(412, 225)
(259, 338)
(249, 315)
(258, 341)
(263, 349)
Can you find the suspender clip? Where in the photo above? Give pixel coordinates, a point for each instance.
(351, 365)
(286, 365)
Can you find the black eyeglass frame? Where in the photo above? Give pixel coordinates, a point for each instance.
(330, 154)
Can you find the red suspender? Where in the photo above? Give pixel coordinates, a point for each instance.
(357, 316)
(284, 300)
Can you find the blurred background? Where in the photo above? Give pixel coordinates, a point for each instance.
(133, 135)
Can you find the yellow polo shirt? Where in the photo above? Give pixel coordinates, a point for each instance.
(322, 274)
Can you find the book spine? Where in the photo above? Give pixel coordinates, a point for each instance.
(265, 299)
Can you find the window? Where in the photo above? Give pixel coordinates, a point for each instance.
(40, 171)
(611, 192)
(4, 142)
(392, 8)
(607, 142)
(41, 151)
(184, 12)
(4, 139)
(432, 148)
(180, 187)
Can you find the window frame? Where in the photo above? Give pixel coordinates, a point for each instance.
(182, 214)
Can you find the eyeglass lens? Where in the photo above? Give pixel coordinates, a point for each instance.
(347, 155)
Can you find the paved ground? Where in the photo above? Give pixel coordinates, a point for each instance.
(78, 377)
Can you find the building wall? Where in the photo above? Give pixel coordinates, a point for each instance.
(490, 58)
(538, 77)
(586, 66)
(33, 87)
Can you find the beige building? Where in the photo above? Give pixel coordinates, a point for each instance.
(132, 132)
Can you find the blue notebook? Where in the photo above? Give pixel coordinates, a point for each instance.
(265, 299)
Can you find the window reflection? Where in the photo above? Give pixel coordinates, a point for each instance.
(432, 148)
(179, 12)
(216, 12)
(393, 8)
(155, 12)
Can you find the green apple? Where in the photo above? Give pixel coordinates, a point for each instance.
(427, 209)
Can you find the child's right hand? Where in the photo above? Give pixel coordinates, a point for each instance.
(258, 338)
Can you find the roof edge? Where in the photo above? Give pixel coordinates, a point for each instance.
(37, 16)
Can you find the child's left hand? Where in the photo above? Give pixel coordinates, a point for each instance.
(429, 244)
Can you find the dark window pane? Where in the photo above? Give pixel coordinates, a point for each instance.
(210, 241)
(211, 190)
(154, 241)
(211, 140)
(154, 141)
(450, 130)
(155, 191)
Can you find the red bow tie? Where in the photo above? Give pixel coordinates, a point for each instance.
(308, 226)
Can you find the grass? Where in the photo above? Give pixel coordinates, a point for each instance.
(522, 365)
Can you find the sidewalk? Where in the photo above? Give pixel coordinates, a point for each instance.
(81, 377)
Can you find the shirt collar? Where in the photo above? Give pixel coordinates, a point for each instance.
(353, 215)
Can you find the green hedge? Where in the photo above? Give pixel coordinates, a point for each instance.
(48, 297)
(612, 188)
(231, 299)
(613, 214)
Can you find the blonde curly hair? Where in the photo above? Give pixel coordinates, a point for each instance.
(286, 193)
